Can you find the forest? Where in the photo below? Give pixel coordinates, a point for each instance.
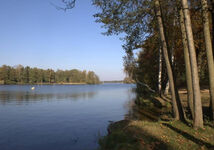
(28, 75)
(169, 54)
(168, 48)
(173, 40)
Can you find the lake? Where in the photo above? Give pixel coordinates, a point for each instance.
(60, 117)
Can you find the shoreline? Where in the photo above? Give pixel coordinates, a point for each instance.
(48, 84)
(64, 83)
(162, 133)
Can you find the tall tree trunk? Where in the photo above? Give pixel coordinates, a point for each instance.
(212, 22)
(208, 43)
(198, 116)
(160, 72)
(166, 92)
(167, 88)
(166, 57)
(187, 63)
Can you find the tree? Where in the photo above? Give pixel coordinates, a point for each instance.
(12, 75)
(177, 112)
(33, 75)
(209, 51)
(4, 74)
(187, 63)
(20, 73)
(84, 76)
(27, 75)
(160, 72)
(198, 117)
(92, 78)
(212, 13)
(136, 20)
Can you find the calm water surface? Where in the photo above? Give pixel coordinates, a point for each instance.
(60, 117)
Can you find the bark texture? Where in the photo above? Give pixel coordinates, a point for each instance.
(187, 63)
(212, 13)
(198, 116)
(209, 51)
(166, 57)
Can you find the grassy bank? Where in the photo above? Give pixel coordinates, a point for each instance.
(140, 135)
(158, 134)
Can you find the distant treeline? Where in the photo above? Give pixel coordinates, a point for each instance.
(28, 75)
(115, 81)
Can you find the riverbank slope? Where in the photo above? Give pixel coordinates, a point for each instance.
(160, 134)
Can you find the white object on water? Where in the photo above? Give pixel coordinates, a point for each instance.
(33, 88)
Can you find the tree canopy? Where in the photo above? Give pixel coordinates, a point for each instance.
(27, 75)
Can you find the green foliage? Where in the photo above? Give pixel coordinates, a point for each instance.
(132, 17)
(27, 75)
(135, 21)
(128, 80)
(92, 78)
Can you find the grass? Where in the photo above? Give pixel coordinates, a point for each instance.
(158, 134)
(145, 135)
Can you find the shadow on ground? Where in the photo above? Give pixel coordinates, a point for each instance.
(190, 137)
(124, 135)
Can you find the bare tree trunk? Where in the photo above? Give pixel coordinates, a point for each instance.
(212, 22)
(160, 72)
(166, 57)
(167, 88)
(208, 43)
(187, 63)
(198, 116)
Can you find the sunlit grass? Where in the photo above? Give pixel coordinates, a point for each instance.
(137, 135)
(159, 135)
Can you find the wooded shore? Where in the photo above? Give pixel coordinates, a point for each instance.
(157, 129)
(46, 84)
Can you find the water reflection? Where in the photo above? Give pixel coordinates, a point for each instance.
(25, 97)
(60, 117)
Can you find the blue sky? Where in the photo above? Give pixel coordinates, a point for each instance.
(34, 33)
